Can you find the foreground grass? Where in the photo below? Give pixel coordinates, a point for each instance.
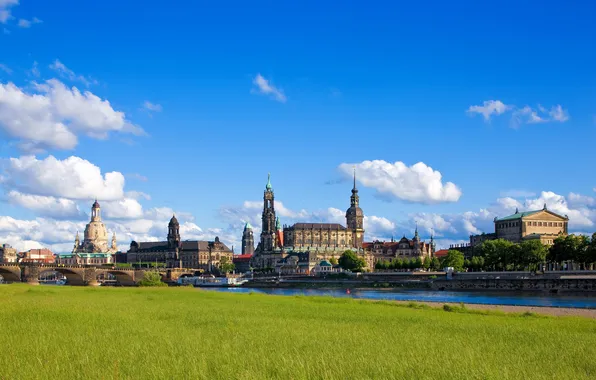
(183, 333)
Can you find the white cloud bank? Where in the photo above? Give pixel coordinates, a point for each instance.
(53, 116)
(417, 183)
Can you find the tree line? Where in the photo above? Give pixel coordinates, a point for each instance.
(503, 255)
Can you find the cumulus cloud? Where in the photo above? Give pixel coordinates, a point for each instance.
(265, 87)
(520, 115)
(53, 116)
(72, 178)
(417, 183)
(67, 73)
(58, 208)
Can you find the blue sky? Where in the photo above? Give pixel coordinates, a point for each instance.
(385, 81)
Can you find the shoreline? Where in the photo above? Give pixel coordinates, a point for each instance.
(509, 309)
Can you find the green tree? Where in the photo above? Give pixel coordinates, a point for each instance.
(152, 278)
(498, 254)
(454, 259)
(570, 248)
(435, 264)
(398, 264)
(426, 262)
(333, 261)
(591, 251)
(533, 253)
(468, 264)
(350, 261)
(226, 266)
(417, 263)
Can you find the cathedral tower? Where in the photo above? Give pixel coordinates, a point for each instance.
(248, 240)
(268, 218)
(355, 217)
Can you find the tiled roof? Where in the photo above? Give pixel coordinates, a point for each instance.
(441, 252)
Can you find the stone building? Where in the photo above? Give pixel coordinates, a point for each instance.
(308, 243)
(94, 249)
(175, 253)
(404, 249)
(37, 255)
(248, 240)
(543, 225)
(8, 254)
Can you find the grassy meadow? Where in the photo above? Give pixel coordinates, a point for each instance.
(184, 333)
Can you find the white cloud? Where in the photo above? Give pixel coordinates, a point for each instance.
(27, 23)
(73, 178)
(127, 208)
(58, 208)
(5, 68)
(416, 183)
(50, 117)
(5, 12)
(34, 70)
(488, 108)
(519, 116)
(263, 86)
(67, 73)
(152, 107)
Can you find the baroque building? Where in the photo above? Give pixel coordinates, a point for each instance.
(404, 249)
(94, 249)
(177, 253)
(8, 254)
(303, 245)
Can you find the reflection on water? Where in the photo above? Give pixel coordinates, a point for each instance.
(489, 298)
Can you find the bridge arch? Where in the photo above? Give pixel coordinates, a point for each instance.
(124, 278)
(73, 277)
(11, 274)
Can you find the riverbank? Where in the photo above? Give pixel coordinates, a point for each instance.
(507, 309)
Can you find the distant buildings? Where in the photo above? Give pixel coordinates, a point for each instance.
(543, 225)
(39, 256)
(301, 247)
(175, 253)
(7, 254)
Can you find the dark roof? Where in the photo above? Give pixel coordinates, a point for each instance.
(173, 221)
(187, 245)
(317, 226)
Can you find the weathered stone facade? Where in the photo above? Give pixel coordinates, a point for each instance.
(95, 238)
(404, 249)
(8, 254)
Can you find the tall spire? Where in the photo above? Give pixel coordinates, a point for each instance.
(355, 178)
(268, 187)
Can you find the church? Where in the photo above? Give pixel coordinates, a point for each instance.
(307, 243)
(94, 249)
(177, 253)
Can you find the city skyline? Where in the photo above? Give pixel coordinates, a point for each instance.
(168, 121)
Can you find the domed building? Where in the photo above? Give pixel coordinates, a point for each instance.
(94, 249)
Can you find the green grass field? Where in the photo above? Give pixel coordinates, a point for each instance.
(184, 333)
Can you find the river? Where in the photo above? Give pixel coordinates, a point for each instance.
(488, 298)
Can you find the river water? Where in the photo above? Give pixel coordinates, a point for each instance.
(475, 297)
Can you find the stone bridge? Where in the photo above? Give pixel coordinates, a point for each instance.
(84, 274)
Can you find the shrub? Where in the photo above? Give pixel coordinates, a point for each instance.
(152, 278)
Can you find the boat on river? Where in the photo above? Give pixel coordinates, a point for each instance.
(212, 281)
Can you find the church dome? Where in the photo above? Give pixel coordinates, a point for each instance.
(354, 211)
(174, 221)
